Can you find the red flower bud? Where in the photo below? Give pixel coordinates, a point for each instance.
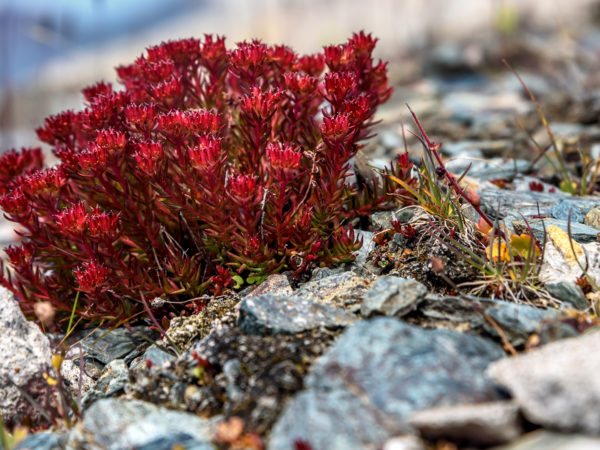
(206, 154)
(244, 187)
(73, 219)
(336, 128)
(142, 116)
(339, 85)
(260, 104)
(91, 276)
(103, 224)
(286, 157)
(148, 157)
(312, 65)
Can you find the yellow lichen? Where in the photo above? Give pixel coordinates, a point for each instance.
(560, 239)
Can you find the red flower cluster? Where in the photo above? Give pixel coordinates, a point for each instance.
(211, 168)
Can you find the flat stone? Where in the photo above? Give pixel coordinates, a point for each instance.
(549, 440)
(367, 247)
(556, 386)
(491, 169)
(475, 148)
(24, 357)
(566, 209)
(579, 232)
(340, 289)
(275, 284)
(482, 425)
(270, 314)
(108, 345)
(42, 441)
(362, 391)
(592, 218)
(155, 355)
(392, 296)
(406, 442)
(115, 424)
(568, 293)
(112, 382)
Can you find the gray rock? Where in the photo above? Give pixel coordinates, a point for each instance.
(481, 425)
(549, 440)
(580, 232)
(275, 284)
(114, 424)
(392, 296)
(592, 218)
(569, 293)
(155, 355)
(565, 207)
(42, 441)
(475, 149)
(367, 247)
(557, 386)
(391, 139)
(340, 289)
(270, 314)
(112, 382)
(488, 170)
(108, 345)
(363, 389)
(24, 357)
(517, 321)
(406, 442)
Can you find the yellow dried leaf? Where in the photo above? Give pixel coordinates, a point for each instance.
(497, 252)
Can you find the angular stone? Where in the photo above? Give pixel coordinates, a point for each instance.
(569, 293)
(275, 284)
(492, 169)
(367, 247)
(549, 440)
(112, 382)
(363, 389)
(579, 232)
(153, 354)
(406, 442)
(42, 441)
(392, 296)
(592, 218)
(270, 314)
(24, 357)
(481, 425)
(114, 424)
(108, 345)
(342, 290)
(557, 386)
(565, 209)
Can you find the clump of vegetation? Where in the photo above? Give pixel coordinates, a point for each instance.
(211, 169)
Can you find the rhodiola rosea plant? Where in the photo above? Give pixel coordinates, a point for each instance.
(212, 168)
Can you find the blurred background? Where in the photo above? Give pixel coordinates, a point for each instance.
(49, 51)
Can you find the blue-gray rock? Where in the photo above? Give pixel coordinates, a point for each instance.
(114, 424)
(475, 149)
(340, 289)
(379, 371)
(155, 355)
(392, 296)
(42, 441)
(557, 385)
(362, 254)
(112, 382)
(569, 293)
(107, 345)
(488, 170)
(270, 314)
(580, 232)
(592, 218)
(562, 209)
(550, 440)
(517, 321)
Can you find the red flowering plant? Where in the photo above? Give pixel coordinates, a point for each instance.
(212, 168)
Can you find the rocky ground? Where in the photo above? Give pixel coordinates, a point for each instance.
(376, 354)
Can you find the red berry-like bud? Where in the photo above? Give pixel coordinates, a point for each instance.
(244, 187)
(142, 116)
(285, 157)
(20, 256)
(312, 65)
(300, 85)
(336, 128)
(203, 121)
(260, 104)
(339, 85)
(249, 57)
(148, 157)
(111, 140)
(15, 203)
(103, 224)
(213, 50)
(176, 123)
(206, 154)
(362, 44)
(43, 181)
(91, 276)
(169, 91)
(73, 219)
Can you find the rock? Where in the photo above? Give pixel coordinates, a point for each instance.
(112, 382)
(562, 210)
(108, 345)
(155, 355)
(363, 389)
(341, 289)
(115, 424)
(480, 425)
(42, 441)
(517, 321)
(404, 443)
(391, 139)
(467, 313)
(569, 293)
(392, 296)
(549, 440)
(475, 149)
(560, 264)
(270, 314)
(24, 358)
(491, 169)
(367, 247)
(75, 379)
(579, 232)
(556, 386)
(275, 284)
(592, 218)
